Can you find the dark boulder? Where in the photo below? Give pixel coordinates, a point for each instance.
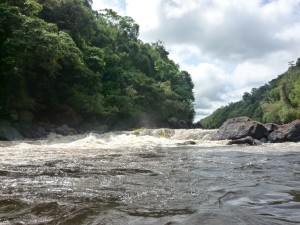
(66, 115)
(32, 131)
(271, 127)
(177, 124)
(187, 143)
(246, 140)
(240, 127)
(65, 130)
(264, 140)
(286, 132)
(8, 132)
(95, 127)
(197, 125)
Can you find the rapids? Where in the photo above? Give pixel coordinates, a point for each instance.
(148, 177)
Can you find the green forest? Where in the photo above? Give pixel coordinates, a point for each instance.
(275, 102)
(60, 56)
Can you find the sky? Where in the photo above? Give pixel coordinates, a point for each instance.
(228, 46)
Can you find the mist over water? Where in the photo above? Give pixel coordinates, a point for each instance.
(148, 177)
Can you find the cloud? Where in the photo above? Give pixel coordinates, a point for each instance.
(211, 85)
(228, 46)
(218, 84)
(228, 30)
(144, 12)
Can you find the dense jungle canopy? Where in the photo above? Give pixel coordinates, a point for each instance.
(59, 56)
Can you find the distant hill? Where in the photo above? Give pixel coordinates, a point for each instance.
(276, 102)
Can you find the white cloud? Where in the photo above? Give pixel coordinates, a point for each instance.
(291, 34)
(211, 85)
(175, 8)
(229, 30)
(144, 13)
(228, 46)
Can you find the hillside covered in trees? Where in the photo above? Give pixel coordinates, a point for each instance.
(275, 102)
(60, 59)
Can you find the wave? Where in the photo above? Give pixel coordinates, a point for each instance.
(147, 138)
(91, 144)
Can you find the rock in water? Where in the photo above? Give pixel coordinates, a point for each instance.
(286, 132)
(65, 130)
(187, 143)
(32, 131)
(246, 140)
(177, 124)
(240, 127)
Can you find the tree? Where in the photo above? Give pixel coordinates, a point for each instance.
(61, 55)
(277, 102)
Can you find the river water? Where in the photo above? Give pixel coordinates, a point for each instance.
(148, 177)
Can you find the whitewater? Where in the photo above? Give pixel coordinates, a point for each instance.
(148, 176)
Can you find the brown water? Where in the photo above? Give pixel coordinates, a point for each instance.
(120, 178)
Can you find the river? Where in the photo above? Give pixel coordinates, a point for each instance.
(148, 177)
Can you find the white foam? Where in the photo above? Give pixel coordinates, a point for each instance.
(78, 146)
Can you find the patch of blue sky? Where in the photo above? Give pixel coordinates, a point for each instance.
(192, 60)
(265, 2)
(122, 4)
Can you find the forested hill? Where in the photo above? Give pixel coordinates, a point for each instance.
(60, 59)
(275, 102)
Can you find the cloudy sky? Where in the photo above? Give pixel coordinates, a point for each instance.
(228, 46)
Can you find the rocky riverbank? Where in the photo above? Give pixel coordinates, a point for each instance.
(243, 130)
(18, 131)
(239, 130)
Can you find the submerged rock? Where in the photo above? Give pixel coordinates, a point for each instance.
(187, 143)
(140, 131)
(246, 140)
(286, 132)
(241, 127)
